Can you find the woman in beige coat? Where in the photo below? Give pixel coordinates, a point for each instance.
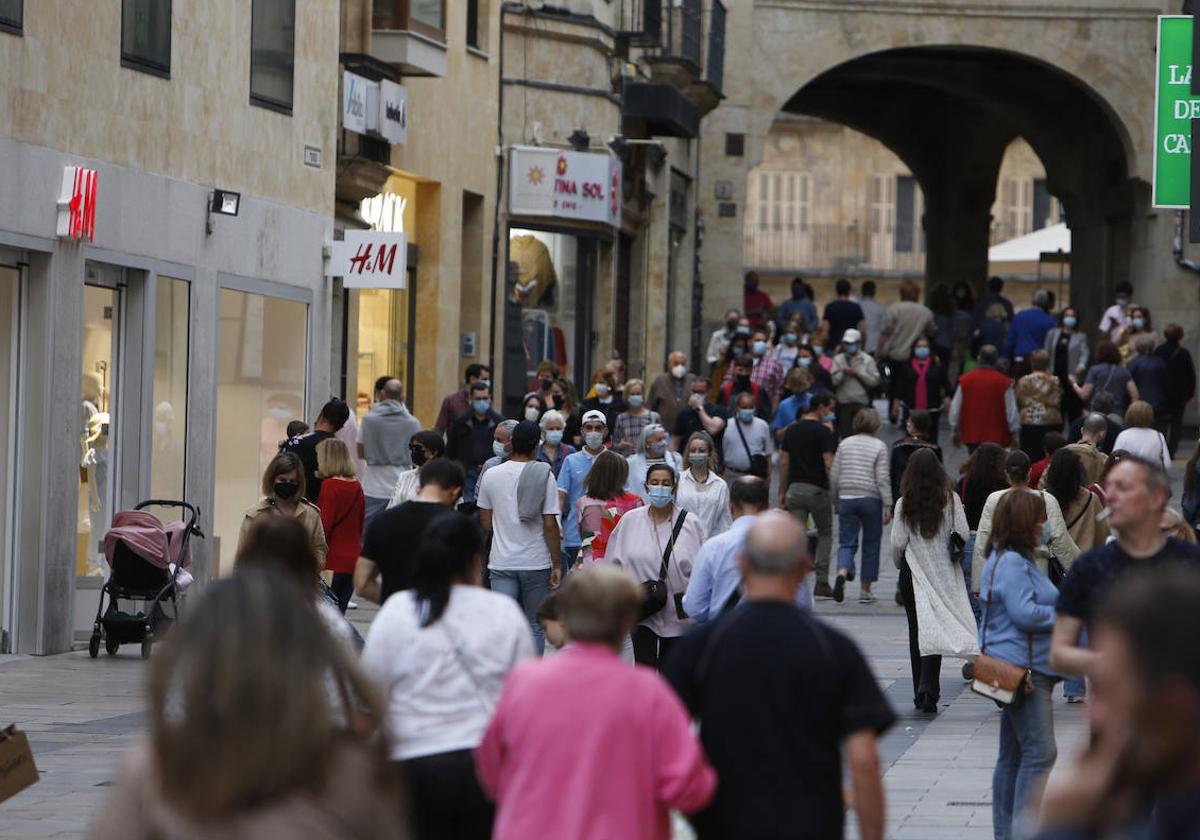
(1065, 481)
(247, 739)
(283, 493)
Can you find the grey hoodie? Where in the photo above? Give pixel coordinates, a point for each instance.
(386, 430)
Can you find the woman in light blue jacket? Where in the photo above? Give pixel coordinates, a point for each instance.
(1018, 603)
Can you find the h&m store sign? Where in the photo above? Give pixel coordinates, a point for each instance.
(567, 185)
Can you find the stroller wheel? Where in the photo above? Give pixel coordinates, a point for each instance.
(94, 644)
(111, 647)
(146, 644)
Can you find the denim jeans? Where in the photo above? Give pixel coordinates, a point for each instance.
(968, 556)
(528, 588)
(853, 514)
(1077, 686)
(375, 506)
(1027, 753)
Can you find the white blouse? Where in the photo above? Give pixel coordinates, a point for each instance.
(708, 501)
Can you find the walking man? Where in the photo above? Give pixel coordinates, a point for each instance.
(804, 463)
(472, 435)
(671, 389)
(383, 444)
(333, 416)
(518, 503)
(779, 695)
(854, 374)
(575, 468)
(457, 404)
(984, 408)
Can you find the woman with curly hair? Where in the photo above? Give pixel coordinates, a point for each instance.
(940, 621)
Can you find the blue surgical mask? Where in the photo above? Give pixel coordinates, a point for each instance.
(829, 418)
(660, 496)
(850, 349)
(593, 440)
(1122, 302)
(481, 406)
(790, 338)
(635, 400)
(656, 449)
(804, 361)
(498, 449)
(554, 436)
(818, 349)
(742, 330)
(1138, 323)
(921, 352)
(1070, 321)
(745, 414)
(760, 348)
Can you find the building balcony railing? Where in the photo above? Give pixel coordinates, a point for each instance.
(683, 41)
(835, 248)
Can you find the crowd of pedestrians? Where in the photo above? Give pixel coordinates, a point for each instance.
(524, 564)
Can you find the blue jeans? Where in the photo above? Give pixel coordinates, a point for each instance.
(1077, 686)
(854, 514)
(527, 588)
(1027, 753)
(374, 507)
(968, 556)
(570, 553)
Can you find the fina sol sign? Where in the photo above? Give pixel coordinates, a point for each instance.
(370, 259)
(77, 204)
(568, 185)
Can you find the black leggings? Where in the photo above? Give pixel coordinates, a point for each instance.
(343, 588)
(649, 648)
(446, 799)
(926, 670)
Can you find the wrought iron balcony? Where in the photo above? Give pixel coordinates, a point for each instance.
(682, 40)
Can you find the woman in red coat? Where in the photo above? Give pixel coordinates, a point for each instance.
(343, 507)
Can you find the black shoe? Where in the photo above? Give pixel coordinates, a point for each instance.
(899, 598)
(839, 589)
(822, 590)
(926, 704)
(968, 671)
(850, 574)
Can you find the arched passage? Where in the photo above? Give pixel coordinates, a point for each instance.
(950, 112)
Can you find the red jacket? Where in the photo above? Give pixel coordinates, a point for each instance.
(342, 511)
(983, 418)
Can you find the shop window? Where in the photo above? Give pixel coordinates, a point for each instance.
(146, 35)
(385, 341)
(171, 319)
(260, 389)
(12, 16)
(97, 426)
(272, 53)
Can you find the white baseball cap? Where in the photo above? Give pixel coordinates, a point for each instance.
(598, 416)
(851, 336)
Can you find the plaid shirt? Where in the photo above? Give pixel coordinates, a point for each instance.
(630, 427)
(767, 374)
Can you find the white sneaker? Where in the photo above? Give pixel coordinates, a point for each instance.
(352, 605)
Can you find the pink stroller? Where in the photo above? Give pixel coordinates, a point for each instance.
(148, 562)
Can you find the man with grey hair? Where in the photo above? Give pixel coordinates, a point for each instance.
(501, 446)
(779, 695)
(984, 408)
(383, 444)
(1088, 448)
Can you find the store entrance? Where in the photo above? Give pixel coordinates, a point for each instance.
(97, 420)
(10, 284)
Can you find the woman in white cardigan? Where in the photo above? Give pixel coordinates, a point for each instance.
(940, 621)
(1056, 539)
(1140, 439)
(860, 480)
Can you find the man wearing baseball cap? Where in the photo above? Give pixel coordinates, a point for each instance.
(594, 428)
(854, 374)
(518, 503)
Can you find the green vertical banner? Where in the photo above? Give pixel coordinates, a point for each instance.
(1174, 109)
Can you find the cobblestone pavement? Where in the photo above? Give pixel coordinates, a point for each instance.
(81, 714)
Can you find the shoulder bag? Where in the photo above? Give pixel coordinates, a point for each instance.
(760, 465)
(655, 597)
(998, 680)
(1055, 570)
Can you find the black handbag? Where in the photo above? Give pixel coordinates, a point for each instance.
(655, 597)
(958, 548)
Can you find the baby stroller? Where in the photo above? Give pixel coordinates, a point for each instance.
(148, 562)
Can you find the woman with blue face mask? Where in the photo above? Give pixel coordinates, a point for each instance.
(638, 544)
(653, 447)
(1068, 349)
(747, 443)
(633, 419)
(553, 450)
(920, 385)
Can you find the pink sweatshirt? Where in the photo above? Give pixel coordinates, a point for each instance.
(584, 746)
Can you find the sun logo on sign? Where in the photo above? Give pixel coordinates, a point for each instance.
(536, 175)
(562, 164)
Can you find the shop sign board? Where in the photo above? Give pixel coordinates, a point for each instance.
(579, 186)
(370, 259)
(393, 112)
(77, 204)
(1174, 110)
(354, 102)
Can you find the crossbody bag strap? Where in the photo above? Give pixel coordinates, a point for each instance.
(746, 446)
(666, 561)
(988, 603)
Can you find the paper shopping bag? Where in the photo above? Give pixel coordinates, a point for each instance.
(17, 770)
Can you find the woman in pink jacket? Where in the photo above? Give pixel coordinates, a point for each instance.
(613, 753)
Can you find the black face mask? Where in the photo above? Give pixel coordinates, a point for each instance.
(731, 325)
(742, 382)
(558, 400)
(546, 383)
(286, 489)
(419, 456)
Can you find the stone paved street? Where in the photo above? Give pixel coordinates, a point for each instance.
(81, 714)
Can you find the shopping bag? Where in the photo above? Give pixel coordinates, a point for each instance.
(17, 770)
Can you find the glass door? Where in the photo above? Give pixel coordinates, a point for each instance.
(97, 424)
(9, 332)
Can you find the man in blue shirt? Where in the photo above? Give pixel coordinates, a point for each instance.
(1028, 332)
(594, 428)
(715, 576)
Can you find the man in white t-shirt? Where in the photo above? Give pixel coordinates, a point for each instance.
(1115, 317)
(518, 503)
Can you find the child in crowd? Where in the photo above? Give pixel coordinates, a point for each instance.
(552, 625)
(296, 428)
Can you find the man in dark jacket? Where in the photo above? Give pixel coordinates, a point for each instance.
(333, 416)
(470, 438)
(1181, 382)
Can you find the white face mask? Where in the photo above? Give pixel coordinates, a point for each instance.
(679, 371)
(532, 414)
